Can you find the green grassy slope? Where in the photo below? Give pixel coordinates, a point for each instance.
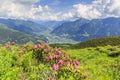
(99, 42)
(7, 34)
(101, 63)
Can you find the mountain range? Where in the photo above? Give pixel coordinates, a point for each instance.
(20, 31)
(82, 29)
(77, 30)
(24, 26)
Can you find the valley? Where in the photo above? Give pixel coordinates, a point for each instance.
(79, 30)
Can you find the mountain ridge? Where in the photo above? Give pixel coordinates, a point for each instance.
(89, 29)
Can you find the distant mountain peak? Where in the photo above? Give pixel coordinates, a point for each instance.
(95, 28)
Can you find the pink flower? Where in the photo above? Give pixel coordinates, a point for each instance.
(35, 47)
(66, 57)
(6, 45)
(39, 46)
(50, 57)
(76, 62)
(59, 52)
(85, 76)
(67, 63)
(13, 43)
(49, 78)
(76, 67)
(57, 49)
(45, 50)
(47, 57)
(56, 56)
(55, 67)
(60, 62)
(45, 44)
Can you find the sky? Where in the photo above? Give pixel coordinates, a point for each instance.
(59, 9)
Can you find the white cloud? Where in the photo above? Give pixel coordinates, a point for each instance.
(98, 9)
(25, 9)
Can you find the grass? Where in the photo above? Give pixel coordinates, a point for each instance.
(113, 41)
(17, 63)
(99, 65)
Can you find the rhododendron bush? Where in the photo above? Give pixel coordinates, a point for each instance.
(38, 62)
(63, 66)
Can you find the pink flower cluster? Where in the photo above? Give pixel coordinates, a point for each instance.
(85, 76)
(45, 50)
(50, 57)
(46, 45)
(37, 46)
(49, 78)
(57, 59)
(55, 67)
(58, 51)
(76, 62)
(13, 43)
(56, 56)
(67, 63)
(60, 62)
(8, 43)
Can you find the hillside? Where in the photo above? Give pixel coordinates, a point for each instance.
(113, 41)
(82, 30)
(7, 34)
(24, 26)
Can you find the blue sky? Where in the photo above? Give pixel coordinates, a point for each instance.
(61, 3)
(59, 9)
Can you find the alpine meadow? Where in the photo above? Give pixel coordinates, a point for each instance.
(59, 40)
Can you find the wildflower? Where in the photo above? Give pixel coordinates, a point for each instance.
(49, 78)
(39, 46)
(56, 56)
(67, 63)
(85, 76)
(50, 57)
(45, 44)
(13, 43)
(7, 43)
(35, 47)
(76, 62)
(66, 57)
(59, 52)
(55, 67)
(76, 67)
(7, 46)
(60, 62)
(45, 50)
(47, 57)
